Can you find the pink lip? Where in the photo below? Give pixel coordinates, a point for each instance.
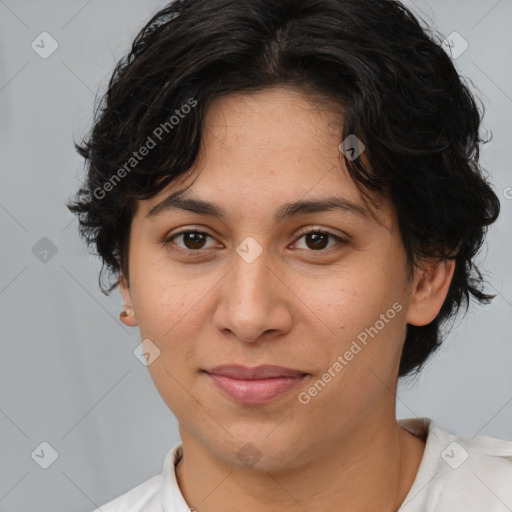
(254, 385)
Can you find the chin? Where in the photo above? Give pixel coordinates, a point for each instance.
(260, 452)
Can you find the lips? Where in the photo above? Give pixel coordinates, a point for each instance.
(259, 372)
(254, 386)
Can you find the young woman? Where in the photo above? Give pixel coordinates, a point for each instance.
(289, 197)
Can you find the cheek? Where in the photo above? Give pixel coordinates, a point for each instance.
(166, 301)
(169, 373)
(171, 321)
(366, 326)
(346, 303)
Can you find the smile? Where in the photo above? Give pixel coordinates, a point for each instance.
(255, 391)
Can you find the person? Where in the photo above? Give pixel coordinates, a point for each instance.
(289, 197)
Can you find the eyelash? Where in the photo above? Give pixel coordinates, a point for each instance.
(197, 252)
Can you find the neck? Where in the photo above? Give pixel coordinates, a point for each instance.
(372, 466)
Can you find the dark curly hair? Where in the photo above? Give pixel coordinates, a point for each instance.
(401, 96)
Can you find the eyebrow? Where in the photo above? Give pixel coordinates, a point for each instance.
(177, 200)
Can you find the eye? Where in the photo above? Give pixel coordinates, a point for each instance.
(317, 239)
(194, 241)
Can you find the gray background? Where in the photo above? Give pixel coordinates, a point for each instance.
(69, 375)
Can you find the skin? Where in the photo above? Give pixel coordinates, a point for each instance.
(296, 305)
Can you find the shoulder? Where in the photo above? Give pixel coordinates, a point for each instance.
(460, 473)
(480, 467)
(143, 497)
(150, 495)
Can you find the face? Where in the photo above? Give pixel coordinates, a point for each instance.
(253, 288)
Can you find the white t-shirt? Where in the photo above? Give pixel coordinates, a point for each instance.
(456, 474)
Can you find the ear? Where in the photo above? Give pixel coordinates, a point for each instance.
(124, 288)
(429, 291)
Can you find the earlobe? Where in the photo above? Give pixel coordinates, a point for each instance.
(127, 315)
(429, 292)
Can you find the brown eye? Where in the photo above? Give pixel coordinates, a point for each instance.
(192, 240)
(317, 240)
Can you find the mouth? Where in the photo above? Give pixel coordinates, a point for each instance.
(254, 386)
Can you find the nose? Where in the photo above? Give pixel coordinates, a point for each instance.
(254, 304)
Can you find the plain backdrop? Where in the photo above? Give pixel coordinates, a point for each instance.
(69, 374)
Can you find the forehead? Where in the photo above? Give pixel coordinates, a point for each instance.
(272, 123)
(262, 150)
